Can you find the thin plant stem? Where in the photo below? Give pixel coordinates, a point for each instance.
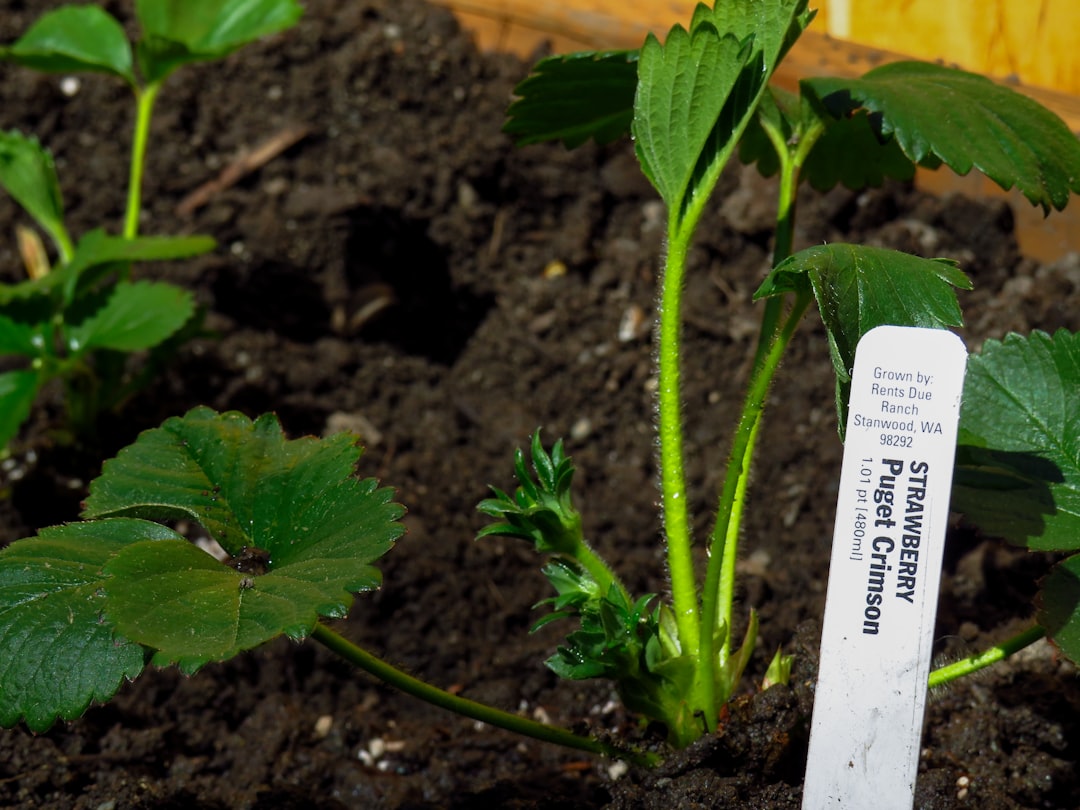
(999, 652)
(791, 160)
(145, 97)
(599, 570)
(468, 708)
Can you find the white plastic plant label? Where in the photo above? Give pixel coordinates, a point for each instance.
(891, 516)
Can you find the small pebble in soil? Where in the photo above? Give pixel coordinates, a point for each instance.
(962, 784)
(633, 324)
(323, 726)
(617, 769)
(581, 429)
(555, 269)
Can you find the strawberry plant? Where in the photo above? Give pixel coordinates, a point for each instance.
(81, 320)
(89, 604)
(691, 103)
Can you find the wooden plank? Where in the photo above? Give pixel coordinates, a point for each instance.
(525, 26)
(1034, 42)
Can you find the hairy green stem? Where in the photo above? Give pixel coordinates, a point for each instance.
(773, 339)
(999, 652)
(720, 576)
(145, 97)
(672, 476)
(468, 708)
(599, 570)
(791, 157)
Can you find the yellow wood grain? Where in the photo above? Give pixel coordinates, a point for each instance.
(1034, 41)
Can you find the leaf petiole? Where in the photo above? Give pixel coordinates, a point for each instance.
(999, 652)
(374, 665)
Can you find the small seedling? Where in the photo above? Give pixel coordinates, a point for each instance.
(81, 320)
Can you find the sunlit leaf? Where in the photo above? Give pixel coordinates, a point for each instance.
(942, 115)
(295, 505)
(698, 90)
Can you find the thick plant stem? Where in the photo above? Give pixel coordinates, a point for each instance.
(468, 708)
(145, 97)
(999, 652)
(672, 477)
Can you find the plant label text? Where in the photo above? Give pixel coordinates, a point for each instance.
(891, 516)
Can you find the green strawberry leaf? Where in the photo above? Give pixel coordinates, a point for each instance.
(1018, 465)
(294, 507)
(177, 599)
(682, 89)
(136, 316)
(17, 336)
(18, 389)
(575, 97)
(1059, 606)
(72, 39)
(697, 92)
(97, 248)
(942, 115)
(858, 288)
(178, 32)
(97, 253)
(28, 174)
(829, 162)
(57, 653)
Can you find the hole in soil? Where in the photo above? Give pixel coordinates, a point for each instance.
(393, 259)
(277, 297)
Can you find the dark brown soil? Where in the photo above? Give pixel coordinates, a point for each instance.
(405, 188)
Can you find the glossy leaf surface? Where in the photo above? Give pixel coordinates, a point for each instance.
(57, 655)
(942, 115)
(178, 32)
(312, 526)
